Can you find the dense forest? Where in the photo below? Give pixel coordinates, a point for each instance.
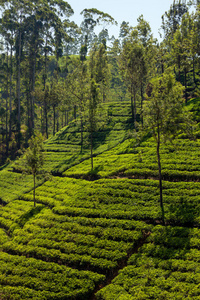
(53, 71)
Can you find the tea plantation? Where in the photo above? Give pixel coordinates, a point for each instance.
(99, 235)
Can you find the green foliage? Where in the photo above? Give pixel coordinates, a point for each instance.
(64, 149)
(163, 110)
(82, 231)
(91, 226)
(34, 157)
(30, 278)
(12, 185)
(164, 115)
(166, 266)
(133, 160)
(98, 16)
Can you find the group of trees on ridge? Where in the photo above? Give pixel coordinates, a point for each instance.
(52, 69)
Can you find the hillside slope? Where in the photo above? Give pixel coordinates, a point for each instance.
(103, 238)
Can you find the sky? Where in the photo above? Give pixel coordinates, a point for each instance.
(125, 10)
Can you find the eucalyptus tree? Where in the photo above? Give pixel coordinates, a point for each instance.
(132, 61)
(171, 19)
(92, 18)
(4, 75)
(62, 9)
(124, 31)
(103, 74)
(31, 25)
(195, 43)
(103, 37)
(55, 97)
(33, 44)
(164, 115)
(72, 45)
(43, 98)
(43, 90)
(14, 13)
(59, 12)
(7, 31)
(117, 86)
(93, 99)
(182, 48)
(77, 85)
(162, 57)
(46, 17)
(4, 105)
(148, 63)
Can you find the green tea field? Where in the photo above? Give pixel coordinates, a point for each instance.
(100, 235)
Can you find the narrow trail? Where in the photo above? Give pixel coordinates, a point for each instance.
(122, 264)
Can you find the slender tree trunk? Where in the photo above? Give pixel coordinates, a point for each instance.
(104, 95)
(33, 68)
(162, 67)
(160, 176)
(179, 68)
(45, 64)
(33, 85)
(18, 91)
(42, 123)
(7, 87)
(32, 88)
(142, 95)
(46, 118)
(34, 190)
(57, 120)
(28, 111)
(135, 125)
(132, 108)
(10, 98)
(186, 96)
(81, 125)
(33, 51)
(193, 69)
(91, 149)
(44, 87)
(81, 133)
(47, 132)
(75, 112)
(142, 100)
(54, 120)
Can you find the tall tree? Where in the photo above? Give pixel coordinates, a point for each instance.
(132, 68)
(56, 94)
(164, 115)
(182, 47)
(93, 99)
(7, 30)
(172, 18)
(77, 84)
(92, 18)
(103, 36)
(102, 70)
(28, 26)
(117, 86)
(124, 32)
(34, 159)
(148, 62)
